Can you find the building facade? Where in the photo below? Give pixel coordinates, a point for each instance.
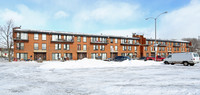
(53, 45)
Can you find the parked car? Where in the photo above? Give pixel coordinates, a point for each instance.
(142, 58)
(121, 58)
(187, 58)
(158, 58)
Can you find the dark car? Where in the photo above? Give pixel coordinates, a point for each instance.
(121, 58)
(142, 58)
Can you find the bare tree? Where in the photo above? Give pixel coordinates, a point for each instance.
(6, 34)
(194, 42)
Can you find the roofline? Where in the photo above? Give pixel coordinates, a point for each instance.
(168, 40)
(70, 33)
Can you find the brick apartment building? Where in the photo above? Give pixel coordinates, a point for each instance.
(52, 45)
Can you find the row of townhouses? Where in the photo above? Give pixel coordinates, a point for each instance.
(53, 45)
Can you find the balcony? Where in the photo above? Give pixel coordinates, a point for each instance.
(134, 44)
(20, 39)
(169, 51)
(81, 51)
(176, 45)
(63, 40)
(162, 45)
(99, 42)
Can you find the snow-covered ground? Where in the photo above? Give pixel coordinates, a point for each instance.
(95, 77)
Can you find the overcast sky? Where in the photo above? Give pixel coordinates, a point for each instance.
(116, 17)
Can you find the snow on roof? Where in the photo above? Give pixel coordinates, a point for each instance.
(168, 40)
(70, 33)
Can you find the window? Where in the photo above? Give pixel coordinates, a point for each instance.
(56, 37)
(66, 46)
(84, 47)
(102, 47)
(115, 40)
(84, 39)
(22, 56)
(124, 48)
(103, 56)
(135, 41)
(56, 56)
(129, 48)
(147, 54)
(43, 46)
(95, 47)
(111, 40)
(104, 40)
(130, 41)
(111, 48)
(35, 46)
(94, 39)
(43, 36)
(130, 55)
(94, 55)
(174, 49)
(135, 48)
(123, 54)
(163, 49)
(116, 48)
(20, 46)
(159, 48)
(69, 55)
(35, 36)
(78, 38)
(123, 41)
(23, 36)
(57, 46)
(68, 38)
(79, 47)
(145, 48)
(177, 49)
(151, 42)
(147, 42)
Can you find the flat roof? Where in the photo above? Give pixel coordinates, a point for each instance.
(70, 33)
(178, 41)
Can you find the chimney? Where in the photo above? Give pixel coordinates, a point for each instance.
(17, 27)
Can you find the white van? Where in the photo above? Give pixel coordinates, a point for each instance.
(186, 58)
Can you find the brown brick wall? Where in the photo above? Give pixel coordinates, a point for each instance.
(50, 46)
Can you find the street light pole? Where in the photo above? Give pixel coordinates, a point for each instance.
(155, 19)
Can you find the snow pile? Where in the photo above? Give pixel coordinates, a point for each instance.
(92, 63)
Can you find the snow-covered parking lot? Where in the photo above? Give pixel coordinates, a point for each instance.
(95, 77)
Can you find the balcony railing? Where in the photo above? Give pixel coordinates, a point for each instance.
(130, 43)
(99, 42)
(162, 45)
(63, 40)
(20, 39)
(176, 45)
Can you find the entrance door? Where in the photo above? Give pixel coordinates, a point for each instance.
(113, 55)
(38, 55)
(81, 55)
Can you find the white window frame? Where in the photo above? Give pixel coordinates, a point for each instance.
(36, 36)
(85, 47)
(44, 37)
(36, 47)
(84, 39)
(116, 40)
(44, 45)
